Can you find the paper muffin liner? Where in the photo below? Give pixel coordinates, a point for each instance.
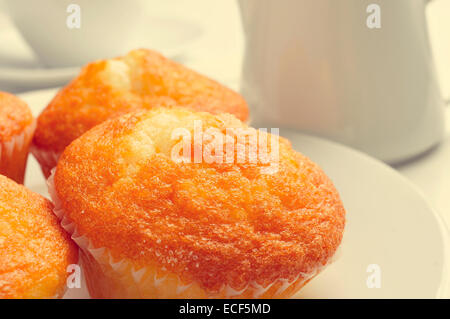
(47, 159)
(14, 154)
(107, 277)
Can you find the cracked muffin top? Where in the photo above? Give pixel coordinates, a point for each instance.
(15, 116)
(142, 79)
(129, 187)
(34, 250)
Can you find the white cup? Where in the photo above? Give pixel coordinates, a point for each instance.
(50, 27)
(317, 66)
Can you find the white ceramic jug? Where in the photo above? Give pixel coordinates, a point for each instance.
(358, 72)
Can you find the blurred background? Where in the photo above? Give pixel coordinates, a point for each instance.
(203, 34)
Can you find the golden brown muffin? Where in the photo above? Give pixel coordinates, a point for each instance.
(34, 250)
(16, 131)
(154, 225)
(142, 79)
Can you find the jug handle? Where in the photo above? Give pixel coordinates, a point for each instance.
(446, 101)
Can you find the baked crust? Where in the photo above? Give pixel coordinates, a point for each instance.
(214, 224)
(142, 79)
(34, 250)
(15, 116)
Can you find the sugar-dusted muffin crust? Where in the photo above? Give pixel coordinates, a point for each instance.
(209, 230)
(142, 79)
(34, 250)
(16, 131)
(15, 116)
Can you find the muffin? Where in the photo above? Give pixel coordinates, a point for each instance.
(34, 250)
(16, 132)
(156, 220)
(142, 79)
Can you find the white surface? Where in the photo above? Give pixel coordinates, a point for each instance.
(64, 34)
(438, 13)
(21, 69)
(218, 52)
(431, 172)
(388, 223)
(316, 67)
(107, 28)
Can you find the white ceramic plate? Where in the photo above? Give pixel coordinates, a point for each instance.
(389, 223)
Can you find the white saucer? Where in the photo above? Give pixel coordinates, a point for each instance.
(389, 223)
(20, 70)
